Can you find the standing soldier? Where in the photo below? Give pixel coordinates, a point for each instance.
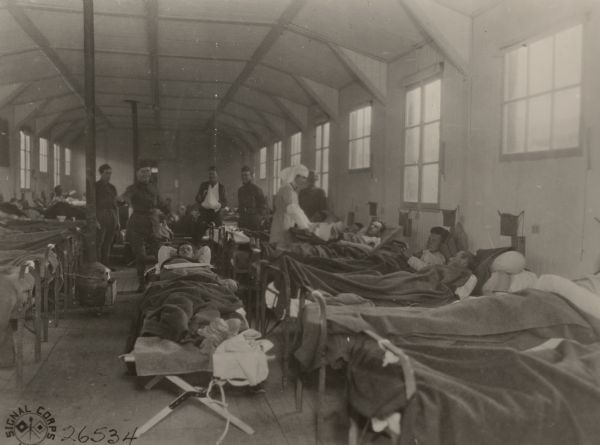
(252, 204)
(106, 214)
(143, 197)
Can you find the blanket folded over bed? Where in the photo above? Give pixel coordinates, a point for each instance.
(484, 395)
(432, 286)
(521, 320)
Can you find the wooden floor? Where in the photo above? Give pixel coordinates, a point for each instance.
(83, 383)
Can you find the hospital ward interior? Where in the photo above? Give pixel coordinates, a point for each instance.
(300, 222)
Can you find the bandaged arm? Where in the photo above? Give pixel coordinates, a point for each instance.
(465, 290)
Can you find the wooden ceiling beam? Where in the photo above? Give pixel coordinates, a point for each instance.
(433, 34)
(15, 92)
(32, 114)
(42, 42)
(152, 35)
(65, 10)
(267, 43)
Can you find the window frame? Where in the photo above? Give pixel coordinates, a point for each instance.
(296, 154)
(421, 83)
(68, 160)
(43, 155)
(25, 150)
(319, 153)
(56, 161)
(551, 153)
(277, 163)
(350, 140)
(262, 163)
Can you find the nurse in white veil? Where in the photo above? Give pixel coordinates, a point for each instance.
(287, 211)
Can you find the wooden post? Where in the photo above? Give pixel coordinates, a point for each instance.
(134, 130)
(90, 128)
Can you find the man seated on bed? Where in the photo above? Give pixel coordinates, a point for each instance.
(431, 255)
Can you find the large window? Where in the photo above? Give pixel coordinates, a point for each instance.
(43, 155)
(322, 156)
(276, 166)
(542, 94)
(262, 163)
(296, 149)
(56, 158)
(422, 142)
(68, 161)
(359, 143)
(25, 160)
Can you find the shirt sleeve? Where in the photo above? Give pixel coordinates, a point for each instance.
(416, 263)
(465, 290)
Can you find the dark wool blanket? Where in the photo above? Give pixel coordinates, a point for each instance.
(167, 306)
(480, 394)
(433, 286)
(517, 320)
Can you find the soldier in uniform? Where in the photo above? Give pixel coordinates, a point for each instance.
(143, 197)
(252, 204)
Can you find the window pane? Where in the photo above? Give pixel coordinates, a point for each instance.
(433, 100)
(326, 135)
(326, 160)
(319, 136)
(566, 118)
(429, 186)
(367, 124)
(351, 154)
(413, 107)
(411, 150)
(431, 142)
(540, 66)
(366, 152)
(318, 161)
(325, 182)
(353, 124)
(567, 63)
(514, 127)
(411, 183)
(515, 73)
(538, 133)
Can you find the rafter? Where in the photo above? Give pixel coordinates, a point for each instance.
(361, 74)
(42, 42)
(325, 96)
(43, 127)
(430, 32)
(296, 113)
(267, 43)
(152, 33)
(30, 115)
(11, 92)
(279, 132)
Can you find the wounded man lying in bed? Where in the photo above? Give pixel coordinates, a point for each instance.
(431, 286)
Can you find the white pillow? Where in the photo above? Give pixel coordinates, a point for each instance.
(522, 280)
(511, 262)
